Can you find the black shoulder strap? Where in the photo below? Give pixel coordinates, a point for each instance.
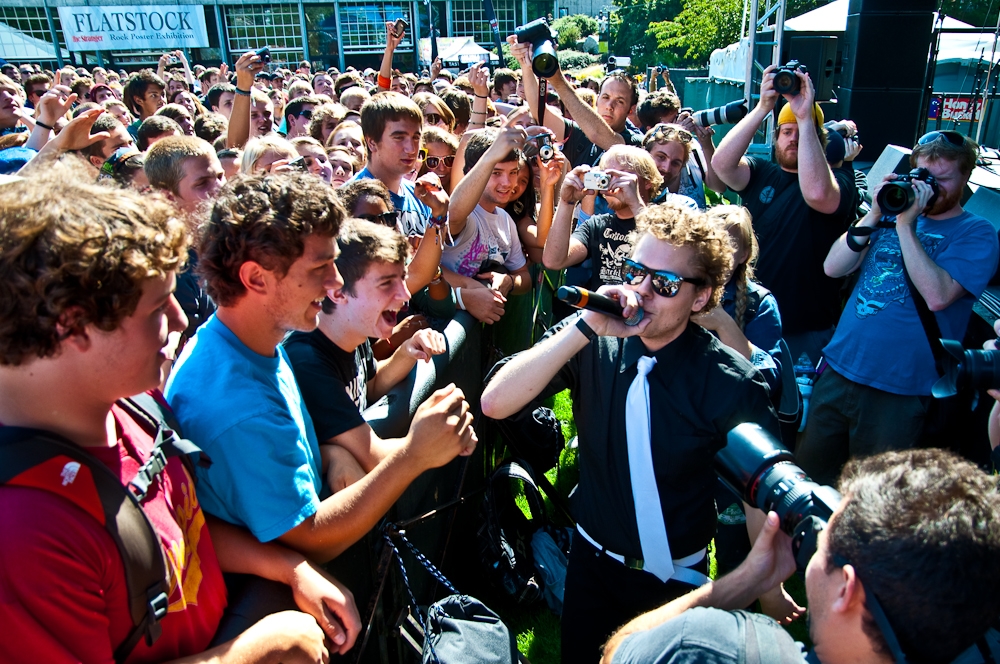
(929, 322)
(499, 488)
(142, 556)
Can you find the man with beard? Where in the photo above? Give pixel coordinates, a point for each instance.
(874, 392)
(799, 207)
(487, 252)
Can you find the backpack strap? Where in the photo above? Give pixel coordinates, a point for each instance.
(499, 489)
(43, 460)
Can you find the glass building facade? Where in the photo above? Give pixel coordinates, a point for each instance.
(338, 34)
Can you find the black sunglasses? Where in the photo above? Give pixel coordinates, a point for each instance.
(344, 89)
(664, 283)
(432, 162)
(949, 135)
(306, 113)
(386, 218)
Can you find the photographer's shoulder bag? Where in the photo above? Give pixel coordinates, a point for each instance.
(44, 460)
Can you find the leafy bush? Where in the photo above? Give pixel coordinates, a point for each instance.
(571, 59)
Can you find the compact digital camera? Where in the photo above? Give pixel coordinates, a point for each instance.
(596, 180)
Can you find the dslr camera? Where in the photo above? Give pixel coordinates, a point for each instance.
(540, 146)
(544, 61)
(596, 180)
(898, 195)
(761, 471)
(785, 80)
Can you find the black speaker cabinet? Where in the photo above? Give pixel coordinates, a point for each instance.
(886, 51)
(883, 117)
(819, 55)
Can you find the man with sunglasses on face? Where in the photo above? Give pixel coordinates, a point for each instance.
(799, 207)
(298, 114)
(653, 403)
(874, 392)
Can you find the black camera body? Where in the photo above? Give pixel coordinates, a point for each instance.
(898, 195)
(540, 146)
(544, 61)
(785, 80)
(760, 470)
(264, 54)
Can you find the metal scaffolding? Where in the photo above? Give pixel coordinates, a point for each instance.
(765, 28)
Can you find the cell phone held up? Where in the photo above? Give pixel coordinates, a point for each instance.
(264, 54)
(399, 28)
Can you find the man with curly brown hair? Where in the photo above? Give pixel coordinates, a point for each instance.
(267, 257)
(653, 403)
(86, 305)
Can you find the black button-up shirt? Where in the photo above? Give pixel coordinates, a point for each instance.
(698, 391)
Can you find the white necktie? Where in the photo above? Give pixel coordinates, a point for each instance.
(648, 513)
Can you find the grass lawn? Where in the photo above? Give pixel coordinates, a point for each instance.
(536, 627)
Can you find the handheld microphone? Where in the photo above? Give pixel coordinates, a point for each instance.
(582, 298)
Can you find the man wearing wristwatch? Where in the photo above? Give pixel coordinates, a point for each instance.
(653, 404)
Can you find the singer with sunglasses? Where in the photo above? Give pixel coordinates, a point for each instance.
(920, 273)
(652, 403)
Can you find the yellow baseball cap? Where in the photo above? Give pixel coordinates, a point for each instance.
(785, 115)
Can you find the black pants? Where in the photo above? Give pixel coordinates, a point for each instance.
(251, 598)
(602, 595)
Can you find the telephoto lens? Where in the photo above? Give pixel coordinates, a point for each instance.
(761, 471)
(731, 113)
(967, 370)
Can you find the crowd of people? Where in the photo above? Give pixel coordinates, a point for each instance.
(268, 252)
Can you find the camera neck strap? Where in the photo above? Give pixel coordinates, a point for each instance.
(543, 94)
(929, 322)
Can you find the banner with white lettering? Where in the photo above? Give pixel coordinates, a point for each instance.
(133, 27)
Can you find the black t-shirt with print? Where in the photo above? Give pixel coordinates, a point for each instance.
(794, 241)
(580, 150)
(333, 382)
(606, 239)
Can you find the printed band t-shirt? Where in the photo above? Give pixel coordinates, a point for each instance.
(333, 381)
(880, 341)
(63, 596)
(486, 237)
(606, 239)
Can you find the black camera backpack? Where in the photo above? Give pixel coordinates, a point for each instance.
(43, 460)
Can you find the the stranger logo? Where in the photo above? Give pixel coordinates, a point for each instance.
(134, 26)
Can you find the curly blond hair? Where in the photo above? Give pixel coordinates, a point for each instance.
(89, 249)
(683, 227)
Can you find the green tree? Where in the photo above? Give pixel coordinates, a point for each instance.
(700, 28)
(629, 30)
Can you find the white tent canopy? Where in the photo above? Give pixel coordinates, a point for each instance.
(730, 63)
(16, 46)
(464, 50)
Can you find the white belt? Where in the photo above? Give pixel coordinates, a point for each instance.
(682, 566)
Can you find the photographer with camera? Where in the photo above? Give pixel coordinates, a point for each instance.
(920, 271)
(653, 403)
(906, 568)
(799, 207)
(591, 131)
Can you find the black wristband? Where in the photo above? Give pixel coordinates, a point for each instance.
(43, 125)
(245, 93)
(586, 329)
(481, 96)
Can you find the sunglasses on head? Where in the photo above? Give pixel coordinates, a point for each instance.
(386, 218)
(344, 89)
(432, 162)
(664, 283)
(433, 118)
(949, 135)
(666, 132)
